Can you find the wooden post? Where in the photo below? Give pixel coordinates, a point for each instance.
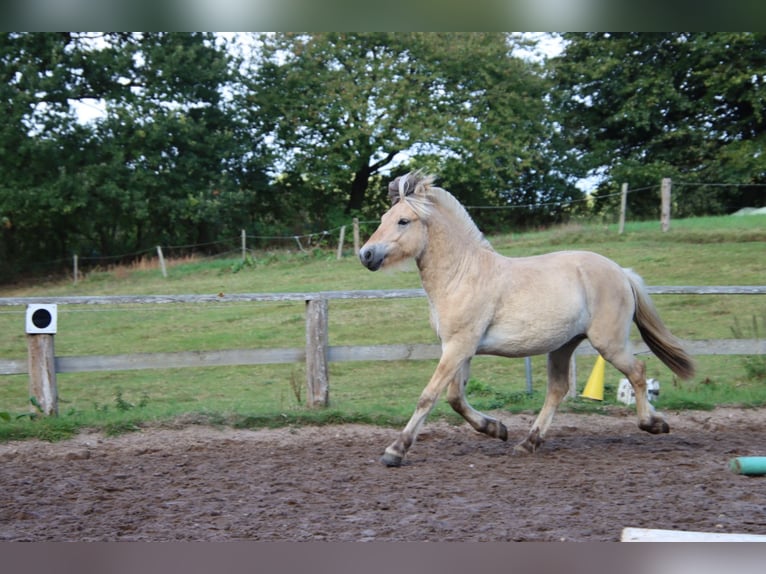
(665, 210)
(623, 206)
(340, 241)
(356, 235)
(244, 245)
(162, 262)
(42, 374)
(317, 340)
(75, 269)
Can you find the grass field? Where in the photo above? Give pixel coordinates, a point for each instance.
(705, 251)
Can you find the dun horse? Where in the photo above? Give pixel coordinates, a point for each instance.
(482, 302)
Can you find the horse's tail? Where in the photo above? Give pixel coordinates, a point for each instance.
(655, 334)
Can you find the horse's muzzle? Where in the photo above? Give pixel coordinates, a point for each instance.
(372, 257)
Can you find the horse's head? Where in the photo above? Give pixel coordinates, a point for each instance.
(402, 231)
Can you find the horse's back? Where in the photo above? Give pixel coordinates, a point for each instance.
(578, 258)
(584, 271)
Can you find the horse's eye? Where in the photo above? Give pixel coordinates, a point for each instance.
(404, 221)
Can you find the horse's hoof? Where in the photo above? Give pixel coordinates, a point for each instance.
(530, 444)
(524, 447)
(391, 459)
(655, 426)
(527, 447)
(498, 430)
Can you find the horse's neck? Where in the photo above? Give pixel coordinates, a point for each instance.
(452, 253)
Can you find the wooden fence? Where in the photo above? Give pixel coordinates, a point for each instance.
(316, 353)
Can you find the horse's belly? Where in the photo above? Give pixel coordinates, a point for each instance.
(524, 342)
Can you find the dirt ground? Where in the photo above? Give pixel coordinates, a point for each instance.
(594, 476)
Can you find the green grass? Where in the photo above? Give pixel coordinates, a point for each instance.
(705, 251)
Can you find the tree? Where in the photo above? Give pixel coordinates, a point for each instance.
(169, 162)
(504, 152)
(172, 138)
(41, 74)
(340, 108)
(637, 107)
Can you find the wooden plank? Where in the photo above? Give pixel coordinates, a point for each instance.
(403, 352)
(13, 366)
(337, 354)
(659, 535)
(707, 290)
(139, 361)
(160, 299)
(726, 347)
(697, 347)
(214, 298)
(330, 295)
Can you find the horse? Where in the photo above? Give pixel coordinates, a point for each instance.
(482, 302)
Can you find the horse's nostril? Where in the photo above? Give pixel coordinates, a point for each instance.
(366, 254)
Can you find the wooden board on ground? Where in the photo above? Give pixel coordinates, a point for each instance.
(656, 535)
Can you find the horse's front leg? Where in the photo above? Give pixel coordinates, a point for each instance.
(449, 366)
(479, 421)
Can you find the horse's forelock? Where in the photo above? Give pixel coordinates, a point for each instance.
(404, 187)
(393, 191)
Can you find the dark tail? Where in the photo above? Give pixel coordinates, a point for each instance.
(655, 334)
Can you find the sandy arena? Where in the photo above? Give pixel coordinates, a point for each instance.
(594, 476)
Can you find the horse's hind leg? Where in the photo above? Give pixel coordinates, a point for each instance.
(479, 421)
(558, 386)
(635, 370)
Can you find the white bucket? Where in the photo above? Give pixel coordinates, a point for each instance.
(626, 395)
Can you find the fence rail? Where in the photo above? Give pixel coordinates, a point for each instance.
(328, 295)
(317, 352)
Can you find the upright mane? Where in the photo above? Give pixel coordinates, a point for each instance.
(417, 189)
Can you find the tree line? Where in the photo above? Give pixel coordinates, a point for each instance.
(202, 135)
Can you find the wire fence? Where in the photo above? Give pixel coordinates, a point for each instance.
(247, 244)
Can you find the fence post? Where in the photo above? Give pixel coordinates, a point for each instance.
(340, 241)
(665, 210)
(244, 246)
(356, 235)
(41, 326)
(317, 378)
(623, 206)
(162, 262)
(528, 373)
(42, 373)
(572, 393)
(75, 269)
